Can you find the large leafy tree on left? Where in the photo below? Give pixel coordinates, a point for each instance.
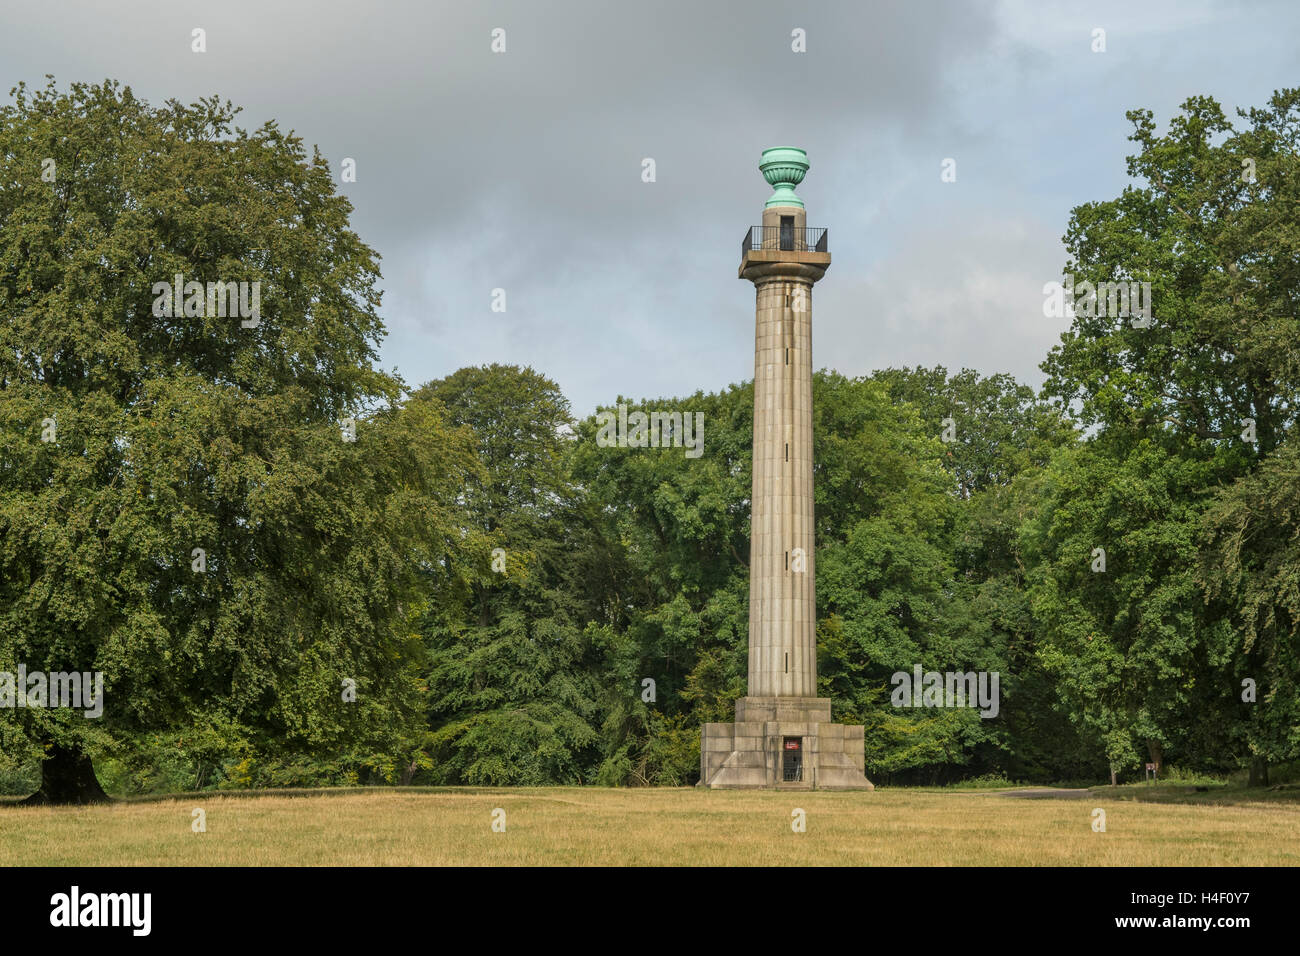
(179, 509)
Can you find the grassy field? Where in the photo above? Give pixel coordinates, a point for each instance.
(567, 826)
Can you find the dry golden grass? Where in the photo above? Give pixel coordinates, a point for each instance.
(576, 826)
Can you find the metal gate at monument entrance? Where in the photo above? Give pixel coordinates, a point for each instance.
(792, 762)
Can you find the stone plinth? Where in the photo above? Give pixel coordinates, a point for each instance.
(748, 753)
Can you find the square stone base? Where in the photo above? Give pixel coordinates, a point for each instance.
(748, 754)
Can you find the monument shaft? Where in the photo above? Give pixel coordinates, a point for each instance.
(782, 599)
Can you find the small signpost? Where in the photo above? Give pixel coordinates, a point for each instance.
(1151, 772)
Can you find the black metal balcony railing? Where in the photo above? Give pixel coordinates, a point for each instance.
(784, 237)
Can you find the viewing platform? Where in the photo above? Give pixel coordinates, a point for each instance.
(784, 244)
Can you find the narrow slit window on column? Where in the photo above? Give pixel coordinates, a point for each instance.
(787, 560)
(787, 451)
(787, 662)
(787, 356)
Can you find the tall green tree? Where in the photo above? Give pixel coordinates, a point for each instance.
(998, 435)
(672, 529)
(1179, 406)
(1113, 552)
(1250, 571)
(178, 506)
(513, 671)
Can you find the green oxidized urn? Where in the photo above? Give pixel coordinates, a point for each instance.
(784, 168)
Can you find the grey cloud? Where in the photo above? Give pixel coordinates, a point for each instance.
(522, 170)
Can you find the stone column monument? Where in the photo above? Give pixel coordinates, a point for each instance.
(783, 736)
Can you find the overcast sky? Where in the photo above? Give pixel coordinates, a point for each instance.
(522, 170)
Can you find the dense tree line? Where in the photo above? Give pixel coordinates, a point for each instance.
(291, 568)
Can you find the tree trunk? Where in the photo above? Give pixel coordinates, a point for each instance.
(1157, 756)
(1112, 775)
(1258, 772)
(67, 776)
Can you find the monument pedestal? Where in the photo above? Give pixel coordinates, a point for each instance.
(758, 750)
